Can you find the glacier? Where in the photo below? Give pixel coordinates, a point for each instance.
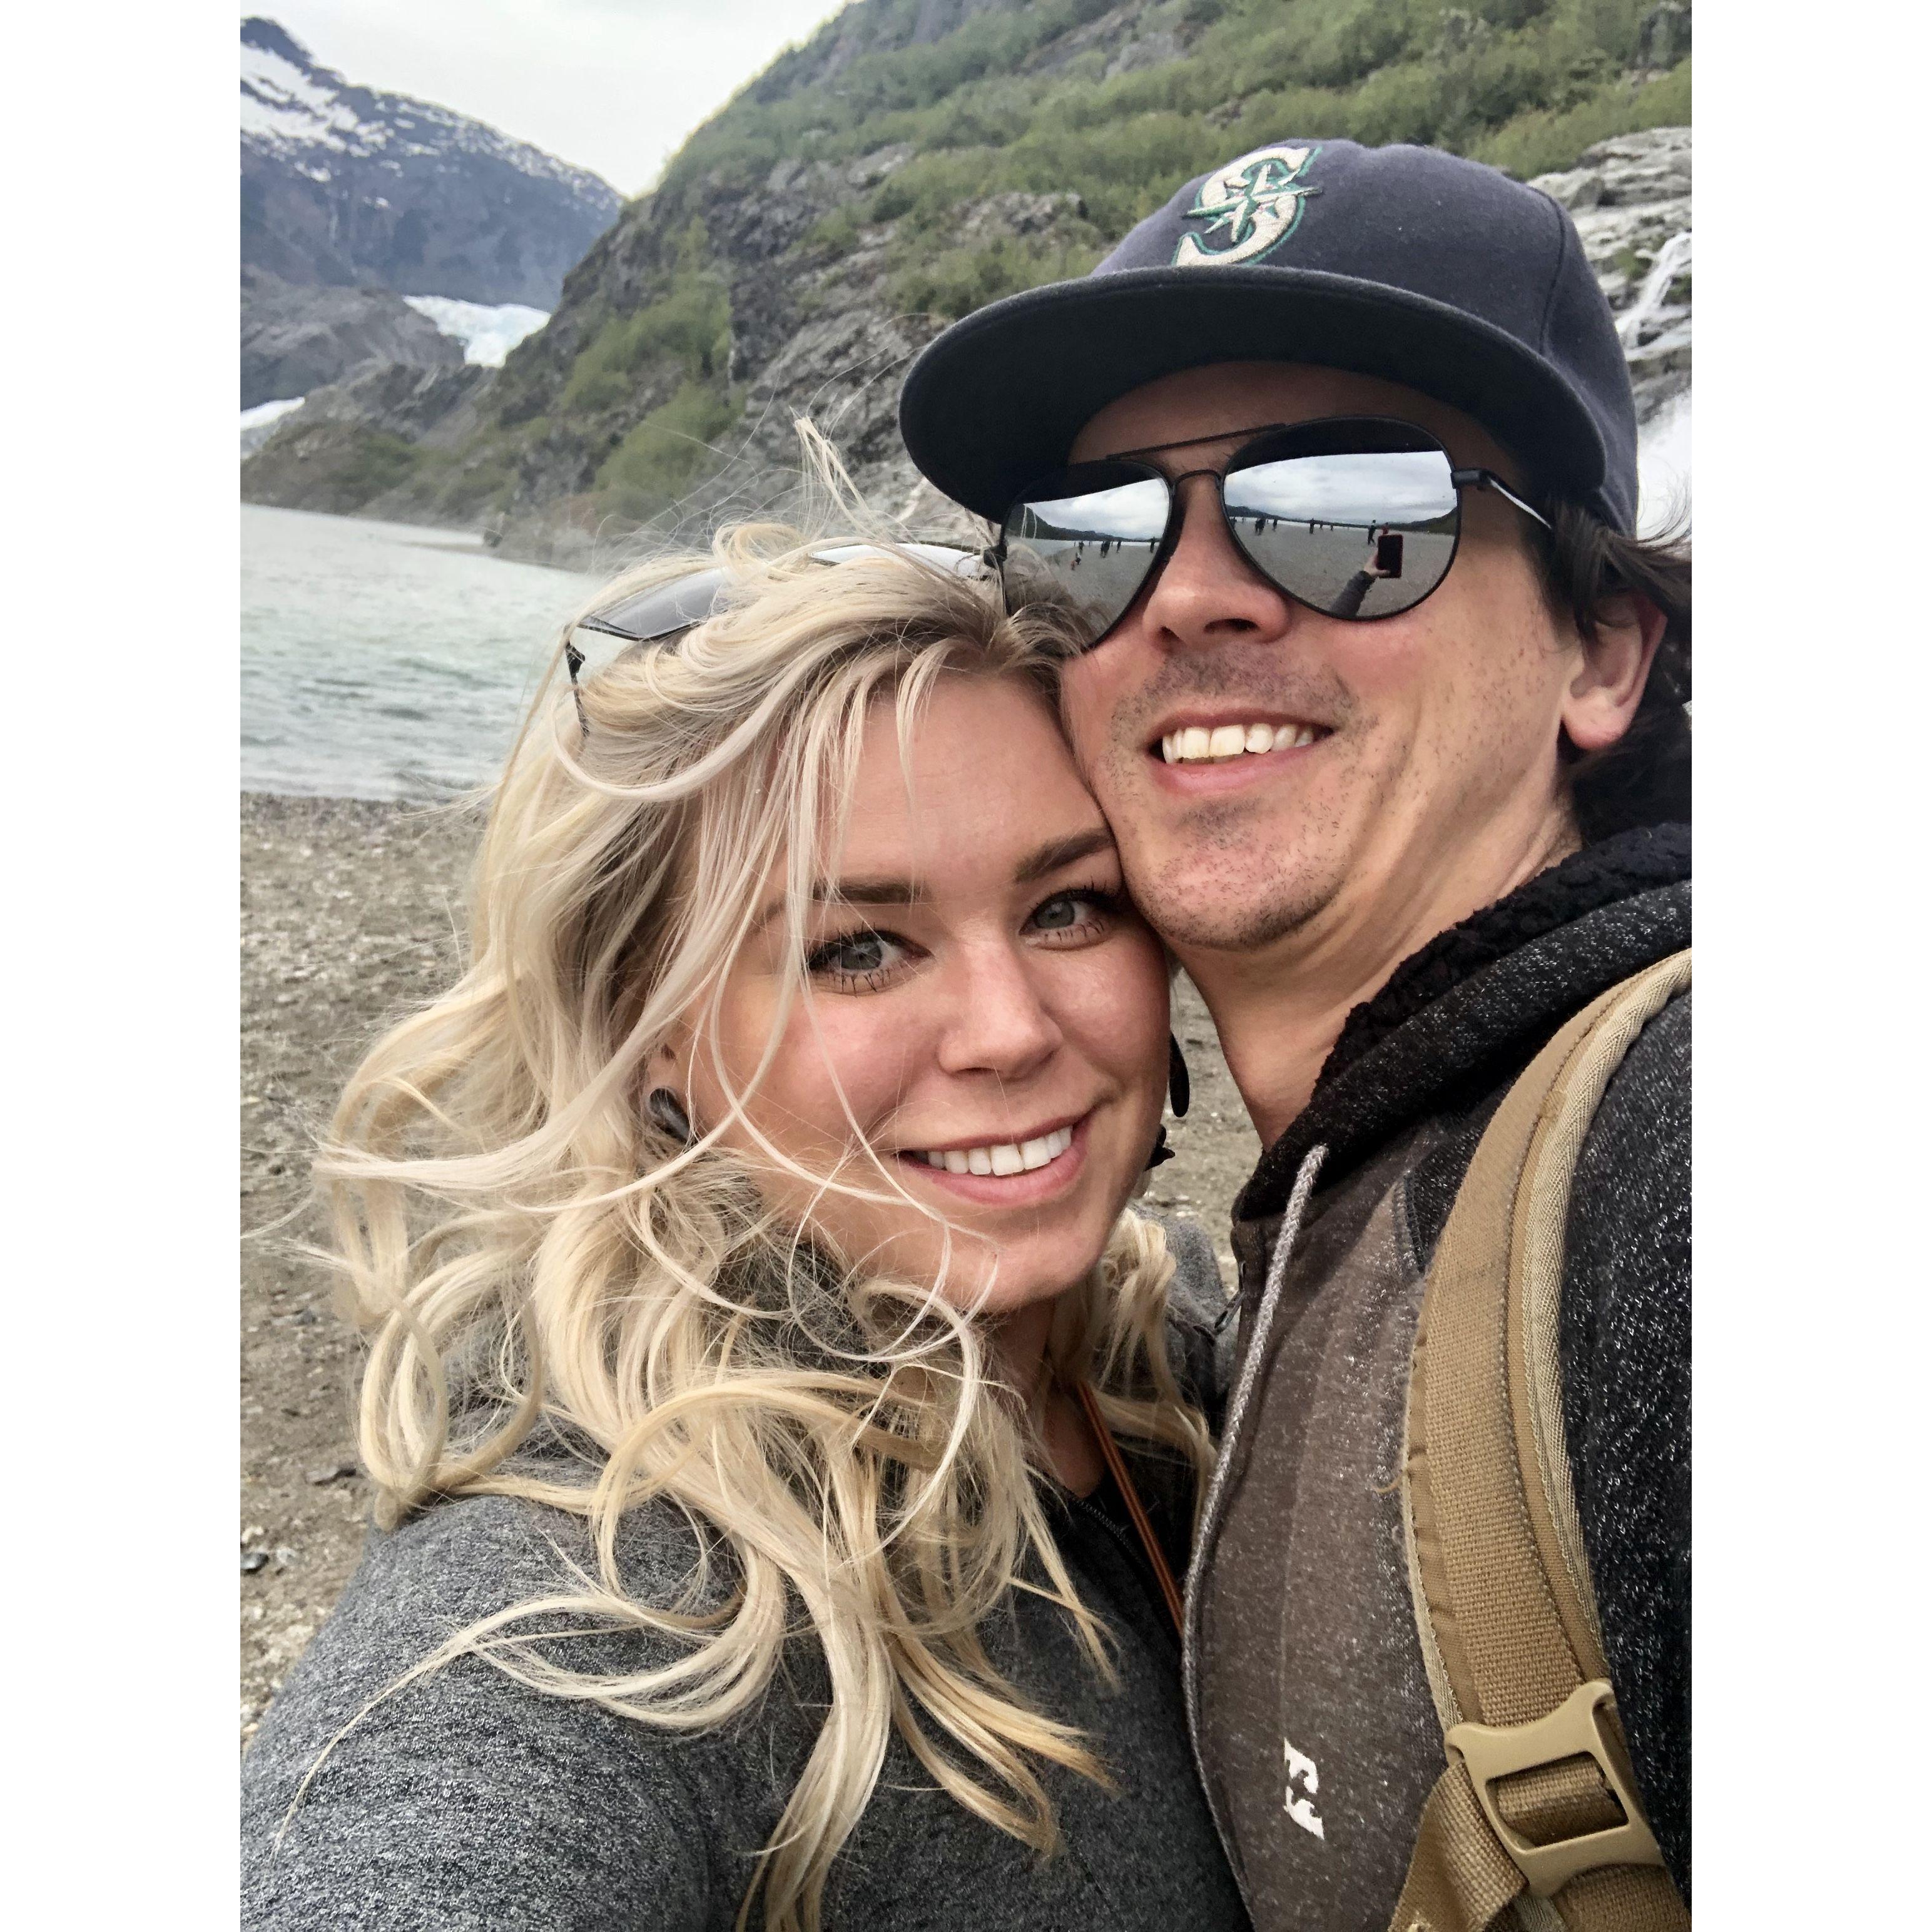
(488, 331)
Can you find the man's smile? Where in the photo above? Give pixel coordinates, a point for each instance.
(1209, 750)
(1218, 741)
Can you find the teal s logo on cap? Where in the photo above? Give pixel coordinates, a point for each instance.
(1256, 199)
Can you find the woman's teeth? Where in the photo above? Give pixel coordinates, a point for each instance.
(1009, 1157)
(1232, 741)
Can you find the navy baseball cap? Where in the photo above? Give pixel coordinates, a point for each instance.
(1403, 262)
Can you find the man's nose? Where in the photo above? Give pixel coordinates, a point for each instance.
(1207, 593)
(999, 1024)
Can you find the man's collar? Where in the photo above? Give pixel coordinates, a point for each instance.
(1463, 1013)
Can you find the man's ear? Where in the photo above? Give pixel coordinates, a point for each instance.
(1603, 695)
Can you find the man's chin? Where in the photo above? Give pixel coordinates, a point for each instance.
(1220, 899)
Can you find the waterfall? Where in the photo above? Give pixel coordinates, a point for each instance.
(1663, 442)
(1663, 469)
(1671, 261)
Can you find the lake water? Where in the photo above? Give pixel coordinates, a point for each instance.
(385, 660)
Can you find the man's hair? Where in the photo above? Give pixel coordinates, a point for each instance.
(1645, 777)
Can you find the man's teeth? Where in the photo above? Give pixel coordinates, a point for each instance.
(1009, 1157)
(1232, 741)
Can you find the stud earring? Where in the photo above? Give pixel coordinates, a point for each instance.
(667, 1110)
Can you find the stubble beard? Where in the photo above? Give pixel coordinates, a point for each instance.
(1217, 887)
(1219, 878)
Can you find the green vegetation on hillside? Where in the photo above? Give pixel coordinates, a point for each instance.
(337, 467)
(672, 449)
(1526, 85)
(626, 404)
(690, 322)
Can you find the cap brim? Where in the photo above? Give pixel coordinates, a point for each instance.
(997, 400)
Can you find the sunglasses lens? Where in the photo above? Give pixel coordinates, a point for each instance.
(1083, 542)
(1353, 533)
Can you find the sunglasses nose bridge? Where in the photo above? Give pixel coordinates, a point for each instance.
(1209, 499)
(1194, 594)
(1186, 509)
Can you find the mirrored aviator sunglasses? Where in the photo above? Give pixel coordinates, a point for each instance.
(1357, 518)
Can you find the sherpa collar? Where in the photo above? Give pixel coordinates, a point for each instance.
(1474, 1005)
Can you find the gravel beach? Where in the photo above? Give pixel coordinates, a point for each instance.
(351, 913)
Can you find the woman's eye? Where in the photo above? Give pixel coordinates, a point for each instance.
(1073, 915)
(857, 958)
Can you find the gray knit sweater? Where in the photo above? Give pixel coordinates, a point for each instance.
(465, 1800)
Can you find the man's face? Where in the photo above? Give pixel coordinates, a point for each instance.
(1434, 733)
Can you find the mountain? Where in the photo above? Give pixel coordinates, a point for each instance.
(295, 340)
(343, 186)
(915, 159)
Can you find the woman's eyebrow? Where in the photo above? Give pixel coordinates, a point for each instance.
(850, 892)
(1038, 864)
(868, 892)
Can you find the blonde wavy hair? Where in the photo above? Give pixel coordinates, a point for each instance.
(527, 1251)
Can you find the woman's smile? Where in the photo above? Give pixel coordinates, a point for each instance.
(1014, 1173)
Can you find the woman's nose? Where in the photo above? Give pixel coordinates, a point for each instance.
(999, 1024)
(1207, 593)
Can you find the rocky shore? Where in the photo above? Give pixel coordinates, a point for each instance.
(351, 913)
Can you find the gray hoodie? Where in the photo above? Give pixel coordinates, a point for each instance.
(465, 1800)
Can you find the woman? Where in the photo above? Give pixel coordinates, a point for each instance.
(741, 1247)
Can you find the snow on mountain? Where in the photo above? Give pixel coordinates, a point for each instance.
(282, 102)
(346, 186)
(289, 102)
(487, 332)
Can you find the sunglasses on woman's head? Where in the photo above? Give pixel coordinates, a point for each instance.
(1356, 516)
(665, 611)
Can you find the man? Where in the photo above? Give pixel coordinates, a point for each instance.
(1334, 458)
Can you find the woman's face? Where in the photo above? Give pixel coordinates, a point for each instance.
(992, 1008)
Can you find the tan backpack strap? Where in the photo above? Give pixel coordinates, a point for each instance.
(1538, 1797)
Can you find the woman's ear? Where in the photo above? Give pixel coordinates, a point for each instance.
(1603, 695)
(664, 1067)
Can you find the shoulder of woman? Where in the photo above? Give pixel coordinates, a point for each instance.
(462, 1790)
(1196, 1302)
(1196, 1296)
(475, 1555)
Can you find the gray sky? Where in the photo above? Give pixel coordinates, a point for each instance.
(614, 85)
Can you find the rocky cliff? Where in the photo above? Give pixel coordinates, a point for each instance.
(345, 186)
(296, 340)
(919, 158)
